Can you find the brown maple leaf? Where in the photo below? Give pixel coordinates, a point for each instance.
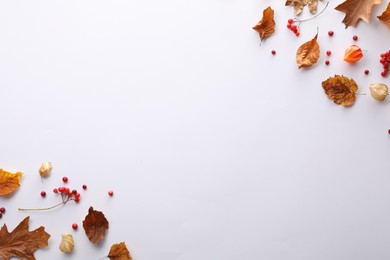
(300, 4)
(385, 16)
(119, 252)
(9, 182)
(355, 10)
(266, 26)
(341, 90)
(308, 53)
(95, 225)
(20, 242)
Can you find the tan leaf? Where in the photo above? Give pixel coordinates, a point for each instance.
(266, 26)
(119, 252)
(20, 242)
(9, 182)
(95, 225)
(355, 10)
(300, 4)
(385, 16)
(308, 53)
(341, 90)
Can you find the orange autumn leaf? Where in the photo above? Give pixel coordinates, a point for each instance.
(308, 53)
(385, 16)
(9, 182)
(266, 26)
(356, 10)
(353, 54)
(300, 4)
(20, 242)
(119, 252)
(95, 225)
(341, 90)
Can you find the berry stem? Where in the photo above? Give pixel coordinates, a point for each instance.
(315, 15)
(48, 208)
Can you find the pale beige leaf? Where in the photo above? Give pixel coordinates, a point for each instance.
(300, 4)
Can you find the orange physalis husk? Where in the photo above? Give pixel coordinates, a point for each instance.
(353, 54)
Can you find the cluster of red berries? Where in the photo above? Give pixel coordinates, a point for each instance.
(385, 61)
(2, 211)
(67, 194)
(293, 27)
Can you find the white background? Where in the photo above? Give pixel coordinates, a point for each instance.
(215, 149)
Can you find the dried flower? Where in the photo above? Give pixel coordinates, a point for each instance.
(379, 91)
(353, 54)
(45, 169)
(67, 243)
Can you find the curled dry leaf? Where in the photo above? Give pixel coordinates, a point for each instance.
(119, 252)
(356, 10)
(341, 90)
(266, 26)
(385, 16)
(379, 91)
(308, 53)
(9, 182)
(22, 243)
(300, 4)
(353, 54)
(95, 225)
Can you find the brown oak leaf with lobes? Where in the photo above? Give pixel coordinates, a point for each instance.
(355, 10)
(385, 16)
(300, 4)
(341, 90)
(119, 252)
(308, 53)
(95, 225)
(9, 182)
(20, 242)
(266, 26)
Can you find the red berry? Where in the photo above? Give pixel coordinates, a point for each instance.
(355, 38)
(111, 193)
(43, 193)
(84, 187)
(289, 26)
(328, 53)
(388, 131)
(75, 226)
(77, 200)
(55, 190)
(65, 179)
(273, 52)
(327, 62)
(383, 73)
(297, 33)
(2, 210)
(366, 72)
(1, 215)
(330, 33)
(290, 21)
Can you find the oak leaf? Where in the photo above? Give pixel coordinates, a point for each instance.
(355, 10)
(9, 182)
(119, 252)
(95, 225)
(266, 26)
(385, 16)
(300, 4)
(20, 242)
(308, 53)
(341, 90)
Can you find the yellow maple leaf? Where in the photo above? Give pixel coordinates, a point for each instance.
(9, 182)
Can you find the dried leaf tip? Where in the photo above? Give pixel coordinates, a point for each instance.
(266, 26)
(356, 10)
(385, 16)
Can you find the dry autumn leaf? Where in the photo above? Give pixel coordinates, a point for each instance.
(119, 252)
(355, 10)
(266, 26)
(20, 242)
(385, 16)
(341, 90)
(300, 4)
(9, 182)
(308, 53)
(95, 225)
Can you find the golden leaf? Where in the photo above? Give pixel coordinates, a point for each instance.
(119, 252)
(341, 90)
(9, 182)
(22, 243)
(308, 53)
(355, 10)
(300, 4)
(353, 54)
(385, 16)
(266, 26)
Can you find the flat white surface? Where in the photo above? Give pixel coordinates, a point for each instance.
(215, 149)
